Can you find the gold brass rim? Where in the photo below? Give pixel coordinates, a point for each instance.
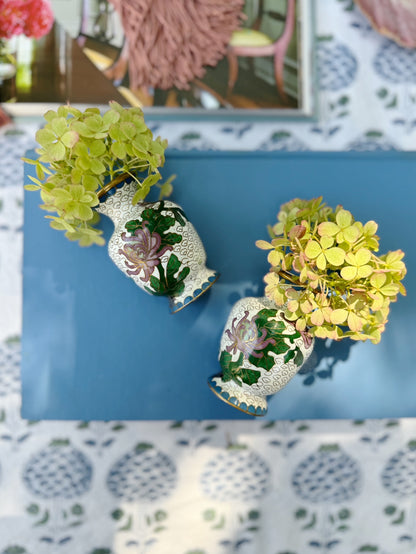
(233, 405)
(113, 183)
(195, 298)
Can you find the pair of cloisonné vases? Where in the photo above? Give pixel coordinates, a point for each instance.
(156, 245)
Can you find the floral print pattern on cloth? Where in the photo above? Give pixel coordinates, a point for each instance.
(156, 245)
(260, 352)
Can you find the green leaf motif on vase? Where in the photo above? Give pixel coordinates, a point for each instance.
(258, 340)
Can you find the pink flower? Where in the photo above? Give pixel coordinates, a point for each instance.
(142, 252)
(39, 18)
(12, 18)
(245, 337)
(34, 18)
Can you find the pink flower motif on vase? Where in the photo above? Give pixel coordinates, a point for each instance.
(245, 337)
(142, 252)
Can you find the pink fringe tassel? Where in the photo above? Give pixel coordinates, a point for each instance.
(171, 41)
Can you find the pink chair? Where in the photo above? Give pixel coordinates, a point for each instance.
(252, 43)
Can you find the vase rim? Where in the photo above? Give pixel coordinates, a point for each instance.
(114, 183)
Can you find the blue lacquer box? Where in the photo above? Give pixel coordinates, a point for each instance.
(97, 347)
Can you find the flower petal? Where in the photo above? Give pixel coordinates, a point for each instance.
(370, 228)
(317, 318)
(355, 323)
(335, 256)
(390, 290)
(377, 280)
(321, 261)
(274, 257)
(349, 273)
(364, 271)
(339, 316)
(264, 245)
(344, 218)
(328, 229)
(363, 256)
(351, 234)
(313, 249)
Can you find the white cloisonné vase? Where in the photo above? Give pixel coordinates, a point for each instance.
(156, 245)
(260, 352)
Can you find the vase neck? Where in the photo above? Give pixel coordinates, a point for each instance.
(116, 199)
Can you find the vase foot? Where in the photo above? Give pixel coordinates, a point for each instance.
(208, 278)
(238, 397)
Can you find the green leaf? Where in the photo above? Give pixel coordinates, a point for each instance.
(265, 314)
(160, 515)
(265, 362)
(172, 238)
(33, 509)
(133, 225)
(311, 524)
(299, 357)
(344, 513)
(128, 525)
(400, 519)
(156, 221)
(77, 510)
(230, 369)
(280, 347)
(172, 267)
(393, 103)
(382, 93)
(289, 356)
(155, 284)
(14, 550)
(249, 376)
(209, 515)
(44, 519)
